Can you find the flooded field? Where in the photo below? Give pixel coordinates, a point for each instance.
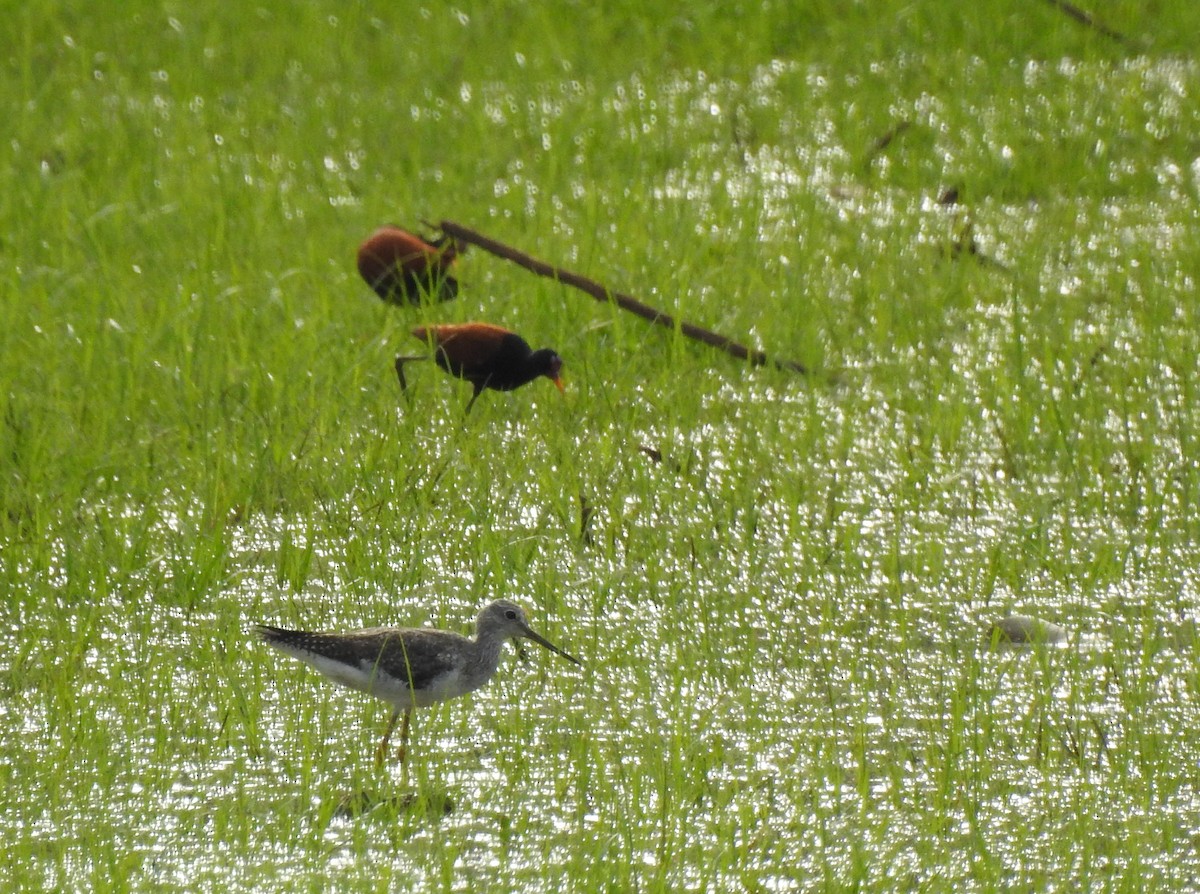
(784, 588)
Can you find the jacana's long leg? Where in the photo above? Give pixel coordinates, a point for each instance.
(381, 751)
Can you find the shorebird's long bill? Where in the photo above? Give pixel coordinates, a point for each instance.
(542, 641)
(557, 380)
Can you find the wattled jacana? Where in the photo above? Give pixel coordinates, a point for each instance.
(402, 267)
(487, 356)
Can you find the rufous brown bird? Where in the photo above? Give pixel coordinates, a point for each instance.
(403, 268)
(487, 356)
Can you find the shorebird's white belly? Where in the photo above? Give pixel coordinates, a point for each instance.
(444, 686)
(368, 677)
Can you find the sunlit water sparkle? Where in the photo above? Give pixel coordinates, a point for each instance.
(820, 681)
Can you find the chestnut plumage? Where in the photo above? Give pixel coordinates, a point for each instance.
(403, 268)
(487, 356)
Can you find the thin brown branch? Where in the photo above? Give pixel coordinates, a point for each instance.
(625, 302)
(1086, 18)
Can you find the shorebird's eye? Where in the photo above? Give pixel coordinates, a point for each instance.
(511, 615)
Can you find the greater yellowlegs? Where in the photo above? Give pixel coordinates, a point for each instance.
(411, 667)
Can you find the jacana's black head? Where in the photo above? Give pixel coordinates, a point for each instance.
(547, 363)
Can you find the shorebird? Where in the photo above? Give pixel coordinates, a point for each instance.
(411, 667)
(487, 356)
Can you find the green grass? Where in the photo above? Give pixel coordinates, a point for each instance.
(788, 685)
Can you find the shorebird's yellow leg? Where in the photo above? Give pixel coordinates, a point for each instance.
(381, 751)
(402, 754)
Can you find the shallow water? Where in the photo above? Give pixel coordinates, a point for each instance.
(784, 622)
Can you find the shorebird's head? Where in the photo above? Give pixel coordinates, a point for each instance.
(507, 620)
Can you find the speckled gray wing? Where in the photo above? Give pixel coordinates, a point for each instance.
(415, 657)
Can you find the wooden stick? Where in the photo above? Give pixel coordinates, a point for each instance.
(1086, 18)
(623, 301)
